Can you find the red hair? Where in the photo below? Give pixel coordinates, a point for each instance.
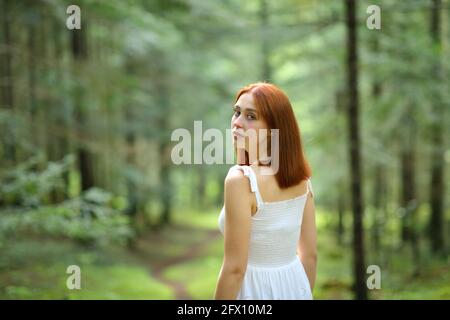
(276, 109)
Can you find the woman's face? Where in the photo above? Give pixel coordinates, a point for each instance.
(246, 125)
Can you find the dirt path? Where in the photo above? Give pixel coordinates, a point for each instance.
(158, 266)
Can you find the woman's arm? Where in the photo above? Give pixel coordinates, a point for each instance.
(307, 245)
(237, 236)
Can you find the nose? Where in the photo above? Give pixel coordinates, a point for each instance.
(238, 122)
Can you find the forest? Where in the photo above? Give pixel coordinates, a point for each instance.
(92, 92)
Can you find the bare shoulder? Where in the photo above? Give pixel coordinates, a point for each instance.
(237, 187)
(236, 179)
(237, 196)
(310, 188)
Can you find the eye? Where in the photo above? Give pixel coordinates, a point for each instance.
(251, 117)
(236, 113)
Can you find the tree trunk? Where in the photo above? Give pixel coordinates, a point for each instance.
(409, 198)
(166, 184)
(32, 72)
(379, 174)
(164, 142)
(437, 187)
(7, 83)
(201, 189)
(80, 54)
(354, 152)
(62, 139)
(130, 139)
(407, 192)
(341, 210)
(340, 106)
(132, 188)
(377, 204)
(265, 45)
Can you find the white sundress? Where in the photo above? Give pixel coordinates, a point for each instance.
(274, 270)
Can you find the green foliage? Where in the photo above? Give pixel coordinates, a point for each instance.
(101, 226)
(152, 66)
(94, 217)
(28, 186)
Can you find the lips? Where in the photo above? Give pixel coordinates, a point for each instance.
(238, 133)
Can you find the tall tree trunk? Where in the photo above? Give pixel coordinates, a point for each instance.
(354, 152)
(437, 187)
(45, 113)
(130, 139)
(35, 61)
(409, 198)
(377, 204)
(7, 81)
(340, 106)
(166, 184)
(62, 138)
(341, 211)
(265, 45)
(201, 186)
(379, 180)
(32, 72)
(164, 141)
(132, 187)
(407, 192)
(80, 54)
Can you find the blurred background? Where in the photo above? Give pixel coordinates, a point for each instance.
(86, 117)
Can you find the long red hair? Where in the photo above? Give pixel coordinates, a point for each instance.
(276, 109)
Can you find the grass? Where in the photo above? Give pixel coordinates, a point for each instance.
(334, 274)
(33, 269)
(120, 282)
(199, 275)
(36, 268)
(207, 220)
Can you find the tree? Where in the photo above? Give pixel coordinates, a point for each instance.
(7, 84)
(437, 185)
(265, 45)
(80, 54)
(354, 150)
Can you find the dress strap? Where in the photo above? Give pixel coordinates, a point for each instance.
(250, 174)
(309, 187)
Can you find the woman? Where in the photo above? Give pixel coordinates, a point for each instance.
(268, 220)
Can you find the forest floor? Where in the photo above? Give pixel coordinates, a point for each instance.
(182, 261)
(168, 253)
